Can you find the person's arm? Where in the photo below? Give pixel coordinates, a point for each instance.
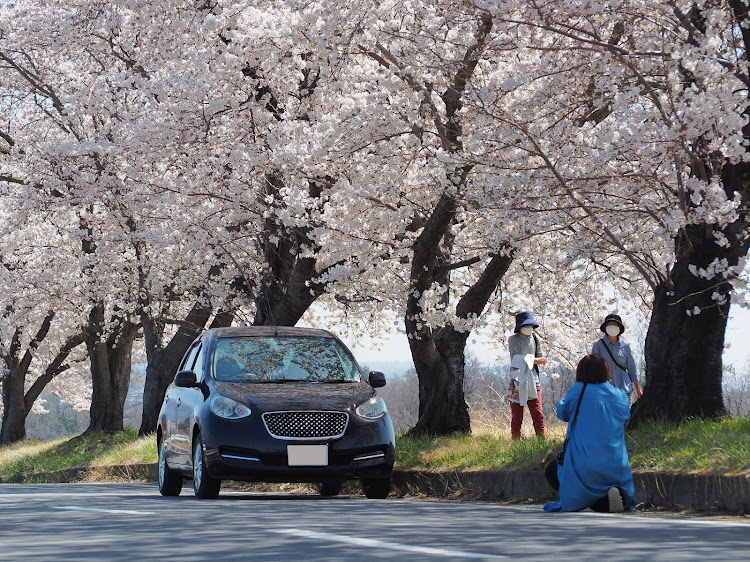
(633, 373)
(563, 406)
(638, 390)
(596, 348)
(538, 358)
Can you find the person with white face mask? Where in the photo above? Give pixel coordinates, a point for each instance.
(524, 388)
(618, 355)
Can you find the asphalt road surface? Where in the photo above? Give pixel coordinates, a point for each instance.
(133, 522)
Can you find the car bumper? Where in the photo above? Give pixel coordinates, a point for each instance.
(366, 450)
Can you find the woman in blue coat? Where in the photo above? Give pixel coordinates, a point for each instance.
(596, 469)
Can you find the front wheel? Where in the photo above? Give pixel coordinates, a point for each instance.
(377, 488)
(170, 482)
(204, 486)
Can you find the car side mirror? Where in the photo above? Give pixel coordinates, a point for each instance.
(377, 379)
(185, 379)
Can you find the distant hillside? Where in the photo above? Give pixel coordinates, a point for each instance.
(61, 420)
(390, 368)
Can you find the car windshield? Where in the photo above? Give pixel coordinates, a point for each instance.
(282, 359)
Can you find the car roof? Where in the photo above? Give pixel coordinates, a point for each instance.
(269, 331)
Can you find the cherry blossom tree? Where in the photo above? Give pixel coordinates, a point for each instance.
(88, 157)
(438, 317)
(30, 361)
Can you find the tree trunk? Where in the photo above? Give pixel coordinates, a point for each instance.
(439, 358)
(14, 408)
(164, 361)
(291, 297)
(288, 290)
(439, 354)
(442, 405)
(685, 338)
(160, 371)
(110, 370)
(683, 361)
(16, 402)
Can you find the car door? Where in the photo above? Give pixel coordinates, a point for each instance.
(192, 399)
(183, 412)
(167, 419)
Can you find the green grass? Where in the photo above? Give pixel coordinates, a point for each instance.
(29, 457)
(714, 446)
(471, 451)
(694, 445)
(721, 446)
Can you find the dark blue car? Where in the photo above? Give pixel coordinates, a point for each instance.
(273, 405)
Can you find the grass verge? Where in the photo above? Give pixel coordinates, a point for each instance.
(33, 457)
(702, 445)
(721, 446)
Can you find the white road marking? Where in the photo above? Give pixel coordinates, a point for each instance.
(99, 510)
(385, 545)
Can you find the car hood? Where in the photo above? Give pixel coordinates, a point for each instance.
(297, 395)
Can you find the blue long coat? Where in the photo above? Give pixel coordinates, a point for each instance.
(596, 458)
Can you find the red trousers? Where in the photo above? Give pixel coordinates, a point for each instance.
(537, 416)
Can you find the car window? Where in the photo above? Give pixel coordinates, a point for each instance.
(198, 367)
(189, 360)
(280, 359)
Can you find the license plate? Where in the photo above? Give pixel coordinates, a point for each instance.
(307, 455)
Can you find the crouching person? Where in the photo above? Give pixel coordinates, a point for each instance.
(595, 471)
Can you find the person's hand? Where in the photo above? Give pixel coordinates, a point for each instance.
(540, 361)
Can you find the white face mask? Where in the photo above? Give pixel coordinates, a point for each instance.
(613, 331)
(527, 330)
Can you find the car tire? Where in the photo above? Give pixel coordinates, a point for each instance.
(170, 482)
(204, 486)
(377, 488)
(329, 489)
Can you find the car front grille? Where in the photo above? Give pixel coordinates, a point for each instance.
(306, 424)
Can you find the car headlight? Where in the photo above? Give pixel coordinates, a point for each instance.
(373, 409)
(229, 409)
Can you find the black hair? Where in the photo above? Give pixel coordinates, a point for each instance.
(593, 369)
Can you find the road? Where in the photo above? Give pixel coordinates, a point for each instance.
(133, 522)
